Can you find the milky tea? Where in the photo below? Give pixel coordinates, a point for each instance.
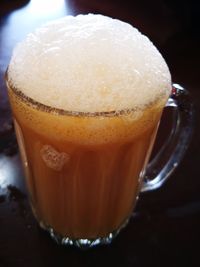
(87, 93)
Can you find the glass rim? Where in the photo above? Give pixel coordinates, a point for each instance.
(58, 111)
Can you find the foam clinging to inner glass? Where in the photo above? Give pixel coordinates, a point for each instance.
(89, 63)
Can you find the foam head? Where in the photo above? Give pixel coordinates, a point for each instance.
(89, 63)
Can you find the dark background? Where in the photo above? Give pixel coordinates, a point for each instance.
(165, 228)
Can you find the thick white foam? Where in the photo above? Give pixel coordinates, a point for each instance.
(89, 63)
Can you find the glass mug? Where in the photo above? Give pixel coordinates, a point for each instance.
(81, 191)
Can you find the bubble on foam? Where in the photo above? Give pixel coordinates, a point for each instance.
(89, 63)
(52, 158)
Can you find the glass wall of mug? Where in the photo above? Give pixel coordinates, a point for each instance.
(83, 170)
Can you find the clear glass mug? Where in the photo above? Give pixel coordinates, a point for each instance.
(84, 171)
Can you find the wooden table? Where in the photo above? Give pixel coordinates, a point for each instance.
(165, 228)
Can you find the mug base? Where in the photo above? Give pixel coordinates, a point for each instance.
(82, 243)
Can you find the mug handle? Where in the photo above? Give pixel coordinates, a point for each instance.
(174, 148)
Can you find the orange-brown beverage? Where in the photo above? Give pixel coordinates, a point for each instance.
(84, 161)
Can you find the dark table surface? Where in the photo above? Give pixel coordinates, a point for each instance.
(165, 228)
